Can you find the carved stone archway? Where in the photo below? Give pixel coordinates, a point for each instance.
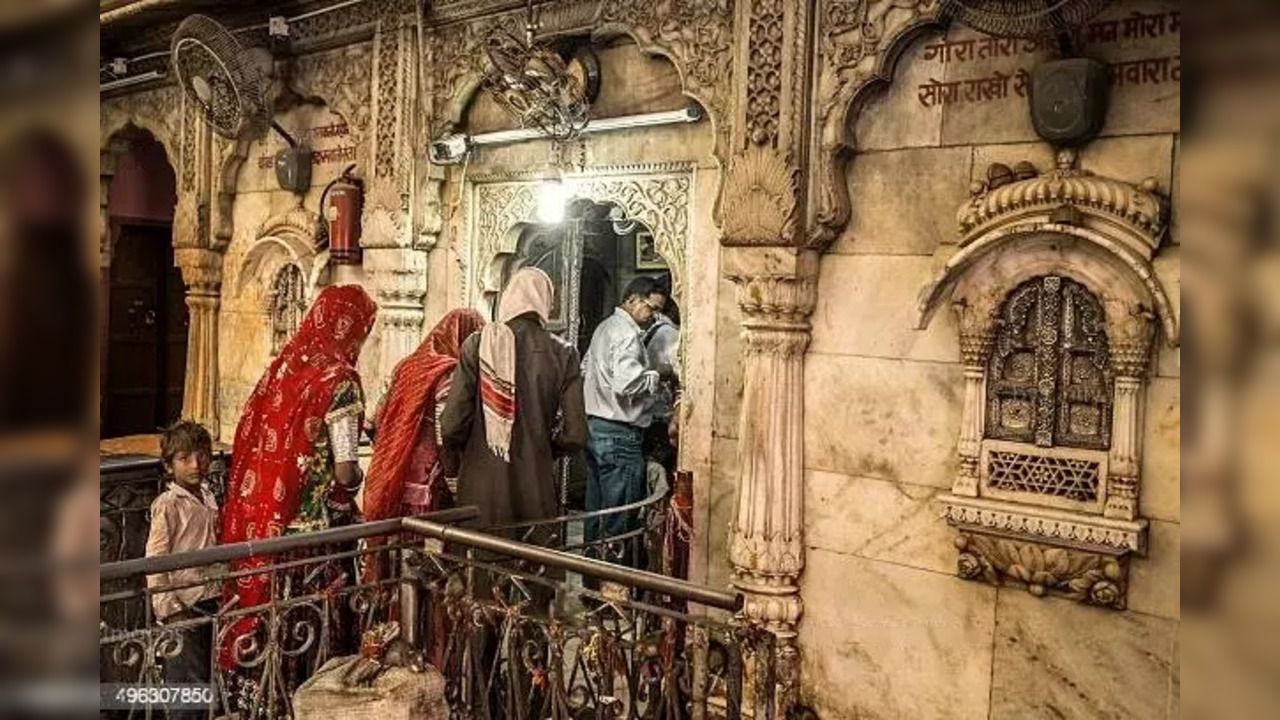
(858, 46)
(187, 144)
(116, 143)
(289, 238)
(660, 196)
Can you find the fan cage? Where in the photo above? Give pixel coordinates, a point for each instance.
(533, 84)
(203, 48)
(1023, 18)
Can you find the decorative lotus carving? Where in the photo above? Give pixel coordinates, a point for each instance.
(1091, 578)
(758, 206)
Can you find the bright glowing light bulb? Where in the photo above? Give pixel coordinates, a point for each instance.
(552, 198)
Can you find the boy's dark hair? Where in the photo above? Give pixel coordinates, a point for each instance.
(642, 286)
(184, 436)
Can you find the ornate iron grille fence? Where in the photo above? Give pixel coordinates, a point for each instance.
(512, 638)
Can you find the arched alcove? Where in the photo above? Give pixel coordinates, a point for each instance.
(147, 318)
(1058, 307)
(287, 240)
(499, 211)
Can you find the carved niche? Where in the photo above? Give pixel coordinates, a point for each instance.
(1058, 305)
(657, 195)
(283, 272)
(287, 303)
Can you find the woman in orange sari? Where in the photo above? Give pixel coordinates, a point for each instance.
(405, 476)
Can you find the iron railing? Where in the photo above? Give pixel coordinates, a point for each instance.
(129, 484)
(318, 606)
(516, 627)
(494, 615)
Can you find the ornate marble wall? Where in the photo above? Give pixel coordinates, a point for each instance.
(885, 413)
(821, 425)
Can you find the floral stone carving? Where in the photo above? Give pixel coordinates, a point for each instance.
(1088, 577)
(759, 199)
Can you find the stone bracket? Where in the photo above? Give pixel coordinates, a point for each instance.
(1079, 557)
(1092, 578)
(1046, 525)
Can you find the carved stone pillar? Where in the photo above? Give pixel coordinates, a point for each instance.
(202, 272)
(1130, 353)
(398, 279)
(777, 289)
(976, 335)
(106, 173)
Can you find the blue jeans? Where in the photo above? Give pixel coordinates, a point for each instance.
(615, 477)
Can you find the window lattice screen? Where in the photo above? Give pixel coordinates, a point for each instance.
(1075, 479)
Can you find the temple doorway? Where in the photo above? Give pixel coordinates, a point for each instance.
(591, 255)
(145, 353)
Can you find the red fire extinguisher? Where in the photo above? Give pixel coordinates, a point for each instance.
(345, 202)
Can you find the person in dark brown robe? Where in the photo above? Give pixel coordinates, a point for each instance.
(516, 406)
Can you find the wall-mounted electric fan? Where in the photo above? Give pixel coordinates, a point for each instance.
(232, 85)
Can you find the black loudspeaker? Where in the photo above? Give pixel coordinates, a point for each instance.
(1069, 100)
(293, 169)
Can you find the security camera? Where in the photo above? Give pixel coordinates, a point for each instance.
(450, 150)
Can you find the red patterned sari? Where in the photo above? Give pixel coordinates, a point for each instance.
(404, 477)
(275, 463)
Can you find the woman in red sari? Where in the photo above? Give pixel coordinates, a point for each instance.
(294, 461)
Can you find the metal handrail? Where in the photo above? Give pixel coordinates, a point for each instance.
(269, 546)
(432, 526)
(588, 567)
(653, 499)
(125, 468)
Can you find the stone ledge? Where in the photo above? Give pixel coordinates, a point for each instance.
(1055, 527)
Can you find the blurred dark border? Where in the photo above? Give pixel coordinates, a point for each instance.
(48, 129)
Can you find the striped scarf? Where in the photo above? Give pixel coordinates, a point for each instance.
(529, 291)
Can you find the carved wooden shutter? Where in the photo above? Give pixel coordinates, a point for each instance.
(1049, 376)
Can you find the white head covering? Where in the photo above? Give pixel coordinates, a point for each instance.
(528, 291)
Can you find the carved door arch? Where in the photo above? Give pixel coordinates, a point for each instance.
(500, 206)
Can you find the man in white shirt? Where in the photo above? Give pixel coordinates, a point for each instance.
(620, 390)
(662, 347)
